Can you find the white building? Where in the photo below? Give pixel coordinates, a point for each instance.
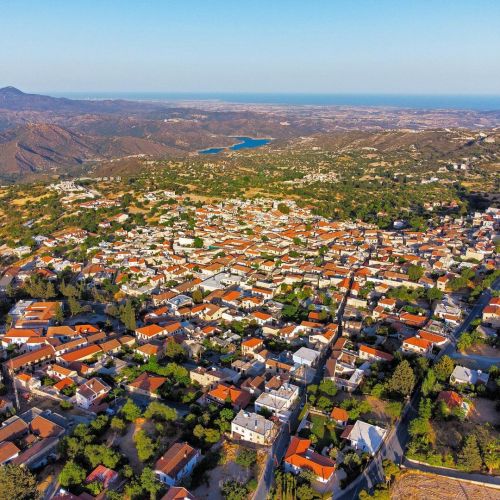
(252, 427)
(279, 402)
(305, 356)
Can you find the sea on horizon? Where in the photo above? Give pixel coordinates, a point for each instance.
(472, 102)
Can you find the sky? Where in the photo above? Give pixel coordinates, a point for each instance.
(304, 46)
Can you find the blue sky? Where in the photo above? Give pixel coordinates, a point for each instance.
(351, 46)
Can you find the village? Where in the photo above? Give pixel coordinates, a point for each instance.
(233, 349)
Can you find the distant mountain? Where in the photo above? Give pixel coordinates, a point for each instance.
(42, 135)
(47, 148)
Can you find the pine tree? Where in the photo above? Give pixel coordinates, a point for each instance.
(469, 457)
(127, 316)
(402, 380)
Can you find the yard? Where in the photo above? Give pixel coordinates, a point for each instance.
(423, 486)
(228, 470)
(483, 411)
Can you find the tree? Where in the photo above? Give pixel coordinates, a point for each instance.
(284, 209)
(246, 458)
(444, 368)
(145, 446)
(58, 313)
(391, 470)
(469, 457)
(127, 316)
(433, 294)
(100, 454)
(17, 483)
(198, 242)
(118, 425)
(328, 387)
(402, 380)
(174, 351)
(415, 272)
(130, 411)
(491, 456)
(74, 306)
(72, 474)
(197, 296)
(233, 490)
(393, 409)
(429, 383)
(160, 411)
(150, 483)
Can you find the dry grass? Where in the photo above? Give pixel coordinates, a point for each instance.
(416, 485)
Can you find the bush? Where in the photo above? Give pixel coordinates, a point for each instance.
(246, 458)
(65, 405)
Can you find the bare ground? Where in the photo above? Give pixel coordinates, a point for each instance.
(424, 486)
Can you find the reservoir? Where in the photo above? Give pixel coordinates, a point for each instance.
(244, 143)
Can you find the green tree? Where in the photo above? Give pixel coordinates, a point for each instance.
(118, 425)
(127, 316)
(402, 380)
(443, 368)
(145, 446)
(150, 483)
(197, 296)
(97, 454)
(328, 387)
(246, 458)
(429, 383)
(17, 483)
(469, 456)
(72, 474)
(198, 242)
(74, 306)
(130, 411)
(433, 294)
(160, 411)
(415, 272)
(174, 351)
(393, 409)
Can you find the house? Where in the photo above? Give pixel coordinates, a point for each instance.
(207, 377)
(251, 346)
(453, 400)
(106, 477)
(365, 437)
(416, 345)
(8, 451)
(305, 356)
(278, 401)
(178, 493)
(91, 392)
(299, 456)
(339, 416)
(223, 394)
(177, 463)
(253, 428)
(463, 375)
(146, 384)
(30, 360)
(491, 313)
(148, 332)
(371, 354)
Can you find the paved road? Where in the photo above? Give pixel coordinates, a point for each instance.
(457, 474)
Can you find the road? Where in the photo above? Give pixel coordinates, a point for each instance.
(394, 446)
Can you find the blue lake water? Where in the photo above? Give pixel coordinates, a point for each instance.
(245, 143)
